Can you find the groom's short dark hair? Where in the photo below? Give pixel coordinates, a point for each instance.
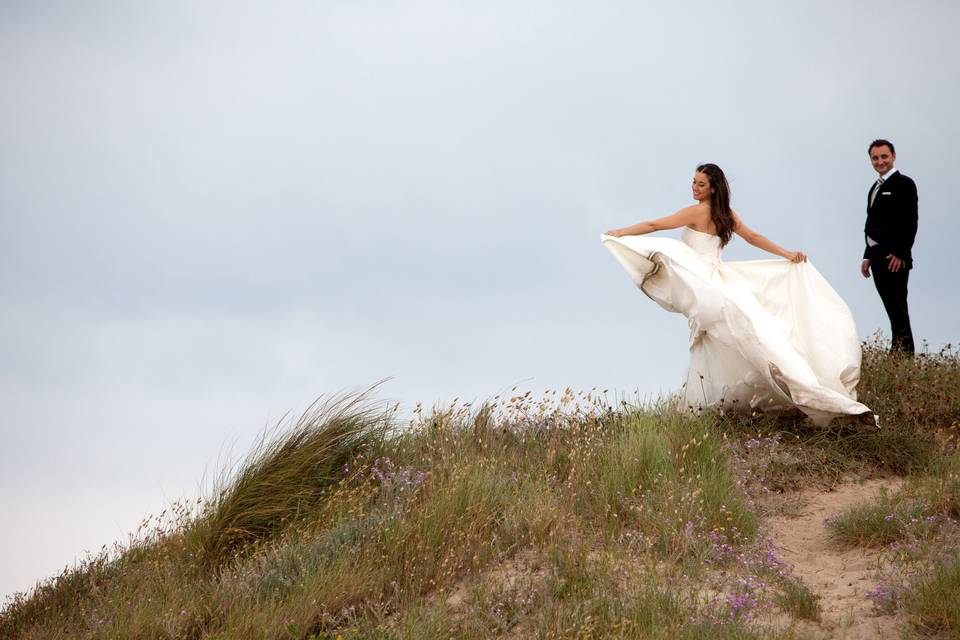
(880, 142)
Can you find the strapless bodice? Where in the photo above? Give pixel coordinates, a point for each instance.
(706, 245)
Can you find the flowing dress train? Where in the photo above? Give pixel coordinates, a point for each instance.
(771, 335)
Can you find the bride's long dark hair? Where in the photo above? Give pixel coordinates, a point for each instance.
(719, 201)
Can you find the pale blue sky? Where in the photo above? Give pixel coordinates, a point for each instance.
(211, 213)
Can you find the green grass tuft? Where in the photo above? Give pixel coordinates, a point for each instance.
(797, 599)
(283, 478)
(932, 603)
(880, 523)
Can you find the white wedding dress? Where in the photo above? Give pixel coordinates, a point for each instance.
(768, 335)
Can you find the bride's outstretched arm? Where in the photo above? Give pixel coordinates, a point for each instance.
(680, 219)
(762, 242)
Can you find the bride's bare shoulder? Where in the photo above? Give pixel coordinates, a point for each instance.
(699, 214)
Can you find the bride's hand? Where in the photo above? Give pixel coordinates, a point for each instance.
(796, 256)
(616, 233)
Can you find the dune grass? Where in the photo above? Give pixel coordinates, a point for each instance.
(554, 517)
(287, 475)
(919, 530)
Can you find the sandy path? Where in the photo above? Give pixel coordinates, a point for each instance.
(841, 576)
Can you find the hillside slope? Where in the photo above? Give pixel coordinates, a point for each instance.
(571, 515)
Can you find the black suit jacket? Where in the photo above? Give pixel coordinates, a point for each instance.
(892, 220)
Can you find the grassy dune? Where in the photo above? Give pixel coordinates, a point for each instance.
(573, 515)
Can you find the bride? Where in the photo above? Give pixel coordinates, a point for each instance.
(767, 335)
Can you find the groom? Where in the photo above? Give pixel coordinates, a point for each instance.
(890, 230)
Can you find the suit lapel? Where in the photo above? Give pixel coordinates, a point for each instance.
(886, 184)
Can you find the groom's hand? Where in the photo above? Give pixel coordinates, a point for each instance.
(895, 263)
(865, 268)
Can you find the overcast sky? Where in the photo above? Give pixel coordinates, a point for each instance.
(213, 212)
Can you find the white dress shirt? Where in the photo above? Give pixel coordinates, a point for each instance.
(870, 241)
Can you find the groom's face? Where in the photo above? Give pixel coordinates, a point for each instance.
(882, 159)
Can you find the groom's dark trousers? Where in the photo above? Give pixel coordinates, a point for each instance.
(892, 224)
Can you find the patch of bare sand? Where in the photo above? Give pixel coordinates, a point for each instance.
(840, 575)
